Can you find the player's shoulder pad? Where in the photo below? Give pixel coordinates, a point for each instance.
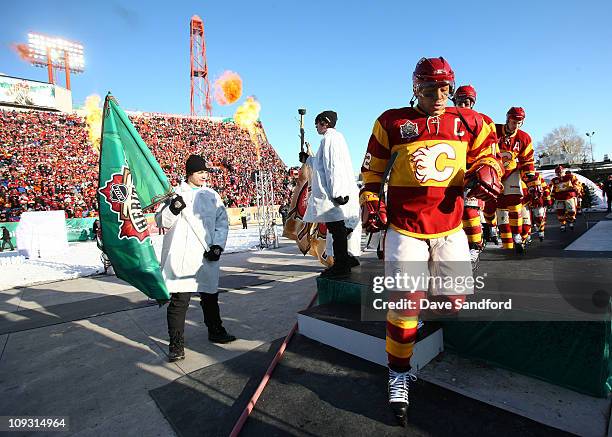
(525, 137)
(396, 113)
(487, 119)
(468, 116)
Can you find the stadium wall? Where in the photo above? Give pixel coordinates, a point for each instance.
(80, 229)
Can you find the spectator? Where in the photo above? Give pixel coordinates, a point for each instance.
(607, 188)
(243, 218)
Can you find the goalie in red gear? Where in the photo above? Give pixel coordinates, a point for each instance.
(516, 151)
(440, 152)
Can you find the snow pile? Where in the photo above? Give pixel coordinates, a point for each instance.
(83, 259)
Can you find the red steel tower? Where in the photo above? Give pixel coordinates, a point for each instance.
(200, 88)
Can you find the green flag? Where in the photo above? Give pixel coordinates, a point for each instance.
(130, 180)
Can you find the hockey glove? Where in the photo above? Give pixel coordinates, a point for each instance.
(177, 204)
(341, 200)
(483, 183)
(214, 253)
(303, 157)
(374, 218)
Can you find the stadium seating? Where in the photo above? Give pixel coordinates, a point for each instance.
(47, 161)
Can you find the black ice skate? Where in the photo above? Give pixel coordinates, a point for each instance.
(541, 235)
(519, 245)
(562, 228)
(571, 226)
(475, 250)
(399, 385)
(493, 236)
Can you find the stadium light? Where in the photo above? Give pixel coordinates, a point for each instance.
(54, 52)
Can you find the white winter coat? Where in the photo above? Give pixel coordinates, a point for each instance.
(332, 177)
(184, 267)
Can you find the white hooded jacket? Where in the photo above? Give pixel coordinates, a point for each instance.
(184, 267)
(332, 177)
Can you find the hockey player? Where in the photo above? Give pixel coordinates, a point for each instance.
(439, 151)
(538, 205)
(578, 191)
(563, 193)
(465, 97)
(516, 152)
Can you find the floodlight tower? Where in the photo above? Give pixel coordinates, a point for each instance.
(55, 53)
(200, 87)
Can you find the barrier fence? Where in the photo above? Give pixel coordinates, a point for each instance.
(81, 229)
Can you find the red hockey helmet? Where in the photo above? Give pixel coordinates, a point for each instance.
(429, 71)
(559, 170)
(465, 92)
(516, 113)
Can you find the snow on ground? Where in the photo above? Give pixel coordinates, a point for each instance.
(83, 259)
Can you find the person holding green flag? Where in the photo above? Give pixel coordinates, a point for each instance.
(195, 215)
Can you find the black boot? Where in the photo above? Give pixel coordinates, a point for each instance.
(212, 319)
(353, 261)
(218, 334)
(337, 270)
(177, 346)
(342, 262)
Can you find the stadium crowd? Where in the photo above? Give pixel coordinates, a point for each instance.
(48, 163)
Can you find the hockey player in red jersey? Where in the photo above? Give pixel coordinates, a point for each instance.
(563, 190)
(465, 97)
(537, 206)
(578, 191)
(516, 151)
(440, 151)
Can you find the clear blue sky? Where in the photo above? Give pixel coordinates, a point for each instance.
(554, 58)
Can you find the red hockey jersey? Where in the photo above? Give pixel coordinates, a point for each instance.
(564, 187)
(425, 190)
(516, 151)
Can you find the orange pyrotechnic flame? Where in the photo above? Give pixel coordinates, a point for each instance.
(228, 88)
(93, 118)
(246, 117)
(23, 51)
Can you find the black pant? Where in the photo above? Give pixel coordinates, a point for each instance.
(244, 223)
(609, 202)
(177, 309)
(340, 232)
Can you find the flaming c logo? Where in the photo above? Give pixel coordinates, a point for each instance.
(426, 166)
(122, 198)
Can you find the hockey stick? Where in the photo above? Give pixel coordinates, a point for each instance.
(384, 180)
(386, 176)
